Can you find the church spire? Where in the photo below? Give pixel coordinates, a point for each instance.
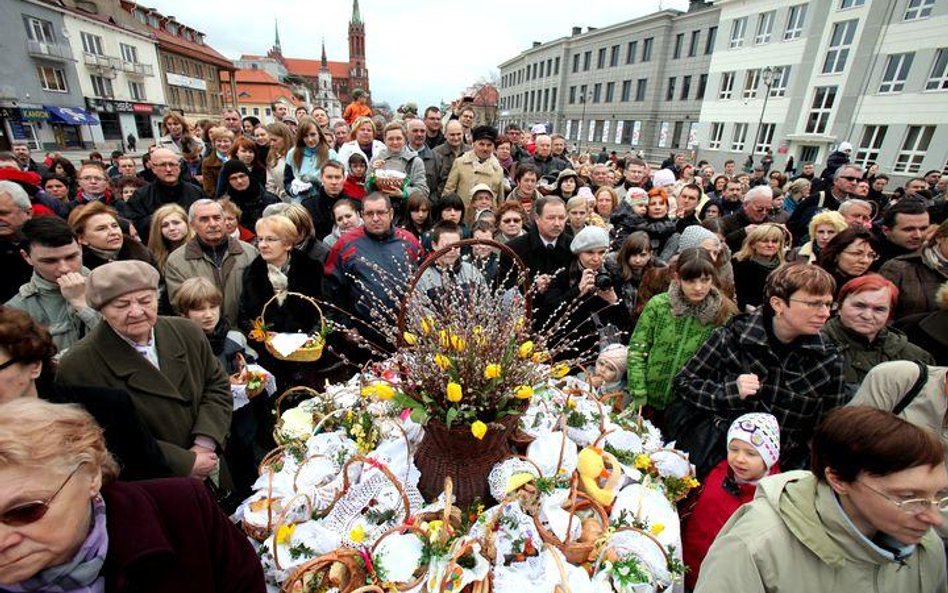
(356, 17)
(324, 63)
(276, 30)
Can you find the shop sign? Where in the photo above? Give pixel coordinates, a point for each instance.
(186, 81)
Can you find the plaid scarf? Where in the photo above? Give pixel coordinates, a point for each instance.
(81, 574)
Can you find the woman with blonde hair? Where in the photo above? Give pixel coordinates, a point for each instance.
(761, 254)
(281, 140)
(178, 136)
(823, 227)
(71, 526)
(223, 140)
(361, 139)
(169, 230)
(97, 228)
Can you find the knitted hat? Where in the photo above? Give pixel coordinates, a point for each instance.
(694, 236)
(591, 237)
(232, 166)
(662, 178)
(761, 431)
(484, 133)
(482, 187)
(845, 147)
(585, 193)
(616, 356)
(538, 129)
(110, 281)
(636, 196)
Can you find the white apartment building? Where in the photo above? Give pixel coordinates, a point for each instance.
(799, 77)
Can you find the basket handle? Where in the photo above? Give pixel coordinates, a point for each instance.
(385, 471)
(608, 545)
(431, 259)
(297, 389)
(309, 299)
(280, 521)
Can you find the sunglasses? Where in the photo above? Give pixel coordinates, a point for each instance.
(31, 512)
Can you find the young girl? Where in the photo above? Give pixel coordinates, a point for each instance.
(630, 265)
(354, 186)
(672, 327)
(418, 208)
(761, 254)
(450, 209)
(609, 373)
(753, 447)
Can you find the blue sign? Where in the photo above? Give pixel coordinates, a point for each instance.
(72, 115)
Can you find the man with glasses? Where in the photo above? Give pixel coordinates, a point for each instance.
(368, 269)
(844, 187)
(93, 186)
(755, 210)
(433, 134)
(166, 189)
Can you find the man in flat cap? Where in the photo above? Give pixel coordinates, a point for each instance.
(474, 167)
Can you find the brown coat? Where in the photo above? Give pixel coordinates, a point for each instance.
(917, 284)
(210, 170)
(188, 396)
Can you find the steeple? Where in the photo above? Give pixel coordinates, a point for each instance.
(276, 30)
(323, 62)
(356, 17)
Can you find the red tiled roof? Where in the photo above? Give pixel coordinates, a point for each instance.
(258, 87)
(310, 68)
(206, 53)
(252, 76)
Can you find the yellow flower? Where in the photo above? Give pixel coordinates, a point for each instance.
(410, 338)
(458, 343)
(478, 429)
(526, 349)
(380, 390)
(479, 338)
(442, 361)
(426, 326)
(357, 535)
(434, 529)
(642, 461)
(523, 391)
(570, 404)
(540, 357)
(692, 482)
(444, 340)
(284, 533)
(559, 370)
(454, 392)
(518, 325)
(492, 371)
(657, 528)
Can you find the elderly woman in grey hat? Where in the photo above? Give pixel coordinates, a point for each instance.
(588, 290)
(165, 364)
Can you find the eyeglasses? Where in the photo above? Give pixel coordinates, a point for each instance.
(815, 305)
(31, 512)
(511, 220)
(269, 240)
(8, 363)
(375, 214)
(170, 165)
(850, 178)
(870, 255)
(913, 506)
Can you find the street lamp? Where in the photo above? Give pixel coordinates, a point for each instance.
(767, 75)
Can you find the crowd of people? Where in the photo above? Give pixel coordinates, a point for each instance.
(754, 316)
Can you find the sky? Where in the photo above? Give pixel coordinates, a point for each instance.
(426, 51)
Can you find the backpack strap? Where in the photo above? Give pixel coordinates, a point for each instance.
(912, 393)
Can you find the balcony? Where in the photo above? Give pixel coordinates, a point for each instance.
(103, 65)
(49, 50)
(137, 70)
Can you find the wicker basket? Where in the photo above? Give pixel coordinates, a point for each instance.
(419, 575)
(311, 354)
(319, 568)
(261, 532)
(240, 378)
(576, 552)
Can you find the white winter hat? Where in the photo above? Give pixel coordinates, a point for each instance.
(761, 431)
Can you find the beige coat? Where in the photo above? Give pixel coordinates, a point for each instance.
(467, 171)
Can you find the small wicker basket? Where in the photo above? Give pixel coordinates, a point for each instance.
(310, 353)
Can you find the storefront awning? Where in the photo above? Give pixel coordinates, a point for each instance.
(71, 115)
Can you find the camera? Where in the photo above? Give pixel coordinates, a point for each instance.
(603, 280)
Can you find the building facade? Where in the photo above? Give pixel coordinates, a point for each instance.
(801, 77)
(257, 91)
(635, 86)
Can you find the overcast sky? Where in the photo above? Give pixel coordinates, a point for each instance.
(416, 50)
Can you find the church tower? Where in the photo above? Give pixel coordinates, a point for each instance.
(325, 97)
(358, 73)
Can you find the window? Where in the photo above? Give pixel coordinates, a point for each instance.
(693, 45)
(101, 86)
(92, 44)
(840, 41)
(679, 41)
(685, 88)
(738, 27)
(533, 75)
(549, 67)
(778, 86)
(583, 95)
(823, 99)
(765, 138)
(153, 21)
(938, 79)
(702, 86)
(709, 42)
(630, 52)
(597, 92)
(796, 17)
(626, 91)
(614, 56)
(727, 85)
(739, 137)
(129, 53)
(647, 49)
(627, 127)
(918, 9)
(751, 82)
(601, 58)
(572, 95)
(844, 4)
(914, 147)
(556, 66)
(765, 27)
(640, 87)
(39, 30)
(676, 134)
(610, 91)
(670, 92)
(717, 131)
(587, 58)
(546, 99)
(869, 146)
(896, 72)
(52, 79)
(575, 63)
(136, 90)
(553, 100)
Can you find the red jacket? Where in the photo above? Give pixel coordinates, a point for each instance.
(354, 188)
(169, 536)
(714, 507)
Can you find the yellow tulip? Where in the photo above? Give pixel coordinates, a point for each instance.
(492, 371)
(458, 343)
(444, 339)
(523, 391)
(478, 429)
(518, 325)
(357, 535)
(284, 533)
(526, 349)
(642, 461)
(425, 326)
(380, 390)
(540, 357)
(454, 392)
(657, 528)
(442, 361)
(559, 370)
(410, 338)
